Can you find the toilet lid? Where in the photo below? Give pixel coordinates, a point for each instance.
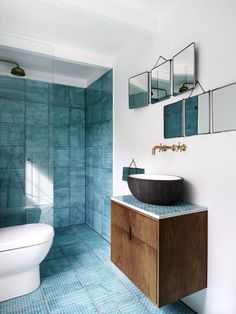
(24, 235)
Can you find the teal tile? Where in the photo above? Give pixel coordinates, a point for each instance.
(60, 284)
(38, 156)
(61, 177)
(77, 157)
(77, 136)
(12, 157)
(36, 135)
(77, 97)
(12, 111)
(77, 215)
(77, 177)
(22, 302)
(60, 95)
(61, 197)
(61, 217)
(55, 266)
(12, 178)
(61, 157)
(12, 134)
(74, 302)
(173, 116)
(12, 197)
(87, 259)
(77, 117)
(39, 308)
(37, 113)
(77, 196)
(59, 116)
(59, 136)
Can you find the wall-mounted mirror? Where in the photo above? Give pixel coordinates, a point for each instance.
(224, 108)
(197, 114)
(161, 82)
(184, 70)
(139, 90)
(173, 120)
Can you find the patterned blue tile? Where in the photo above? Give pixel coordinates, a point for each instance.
(61, 217)
(87, 259)
(77, 97)
(38, 308)
(74, 302)
(38, 156)
(12, 178)
(12, 157)
(97, 243)
(60, 95)
(61, 177)
(77, 215)
(77, 136)
(61, 157)
(77, 157)
(21, 302)
(54, 266)
(36, 135)
(132, 307)
(59, 136)
(77, 196)
(61, 197)
(37, 114)
(59, 116)
(12, 111)
(60, 284)
(12, 197)
(104, 253)
(54, 252)
(173, 115)
(77, 176)
(12, 134)
(77, 117)
(37, 92)
(75, 248)
(160, 210)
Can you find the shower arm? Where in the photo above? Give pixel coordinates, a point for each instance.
(9, 61)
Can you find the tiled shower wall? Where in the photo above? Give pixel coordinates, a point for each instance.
(98, 144)
(42, 153)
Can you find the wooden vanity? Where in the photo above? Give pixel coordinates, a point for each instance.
(164, 255)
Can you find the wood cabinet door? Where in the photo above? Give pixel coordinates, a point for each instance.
(135, 258)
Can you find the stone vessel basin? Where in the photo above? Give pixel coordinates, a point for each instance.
(156, 189)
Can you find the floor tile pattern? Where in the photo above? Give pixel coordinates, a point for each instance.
(77, 276)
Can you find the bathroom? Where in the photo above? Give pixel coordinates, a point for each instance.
(67, 132)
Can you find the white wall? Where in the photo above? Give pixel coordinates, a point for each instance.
(210, 162)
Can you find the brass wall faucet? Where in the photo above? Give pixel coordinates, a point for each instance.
(174, 148)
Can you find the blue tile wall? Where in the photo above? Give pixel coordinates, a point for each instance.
(173, 120)
(99, 154)
(42, 141)
(191, 116)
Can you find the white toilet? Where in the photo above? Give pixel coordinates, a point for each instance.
(22, 249)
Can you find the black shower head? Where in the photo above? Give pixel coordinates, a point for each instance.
(17, 71)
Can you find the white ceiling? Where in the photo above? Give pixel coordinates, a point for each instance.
(102, 27)
(154, 8)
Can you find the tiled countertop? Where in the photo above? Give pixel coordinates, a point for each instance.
(158, 211)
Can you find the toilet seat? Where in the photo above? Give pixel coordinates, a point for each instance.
(17, 237)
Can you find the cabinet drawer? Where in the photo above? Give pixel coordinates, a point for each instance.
(137, 225)
(136, 259)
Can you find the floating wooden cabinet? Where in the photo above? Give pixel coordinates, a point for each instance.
(165, 258)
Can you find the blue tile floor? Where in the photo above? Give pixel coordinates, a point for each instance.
(78, 277)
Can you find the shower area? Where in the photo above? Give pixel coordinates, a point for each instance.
(55, 142)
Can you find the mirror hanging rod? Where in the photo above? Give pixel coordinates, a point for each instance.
(197, 83)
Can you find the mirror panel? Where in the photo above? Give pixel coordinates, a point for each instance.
(224, 108)
(173, 120)
(161, 82)
(139, 90)
(184, 70)
(197, 115)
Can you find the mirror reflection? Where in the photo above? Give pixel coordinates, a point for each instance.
(184, 70)
(138, 90)
(224, 108)
(197, 115)
(173, 120)
(161, 82)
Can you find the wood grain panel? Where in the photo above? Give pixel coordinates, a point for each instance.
(120, 216)
(143, 228)
(182, 256)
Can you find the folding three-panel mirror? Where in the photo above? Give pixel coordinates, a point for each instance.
(171, 77)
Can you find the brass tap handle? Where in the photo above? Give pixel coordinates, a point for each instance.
(182, 148)
(174, 148)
